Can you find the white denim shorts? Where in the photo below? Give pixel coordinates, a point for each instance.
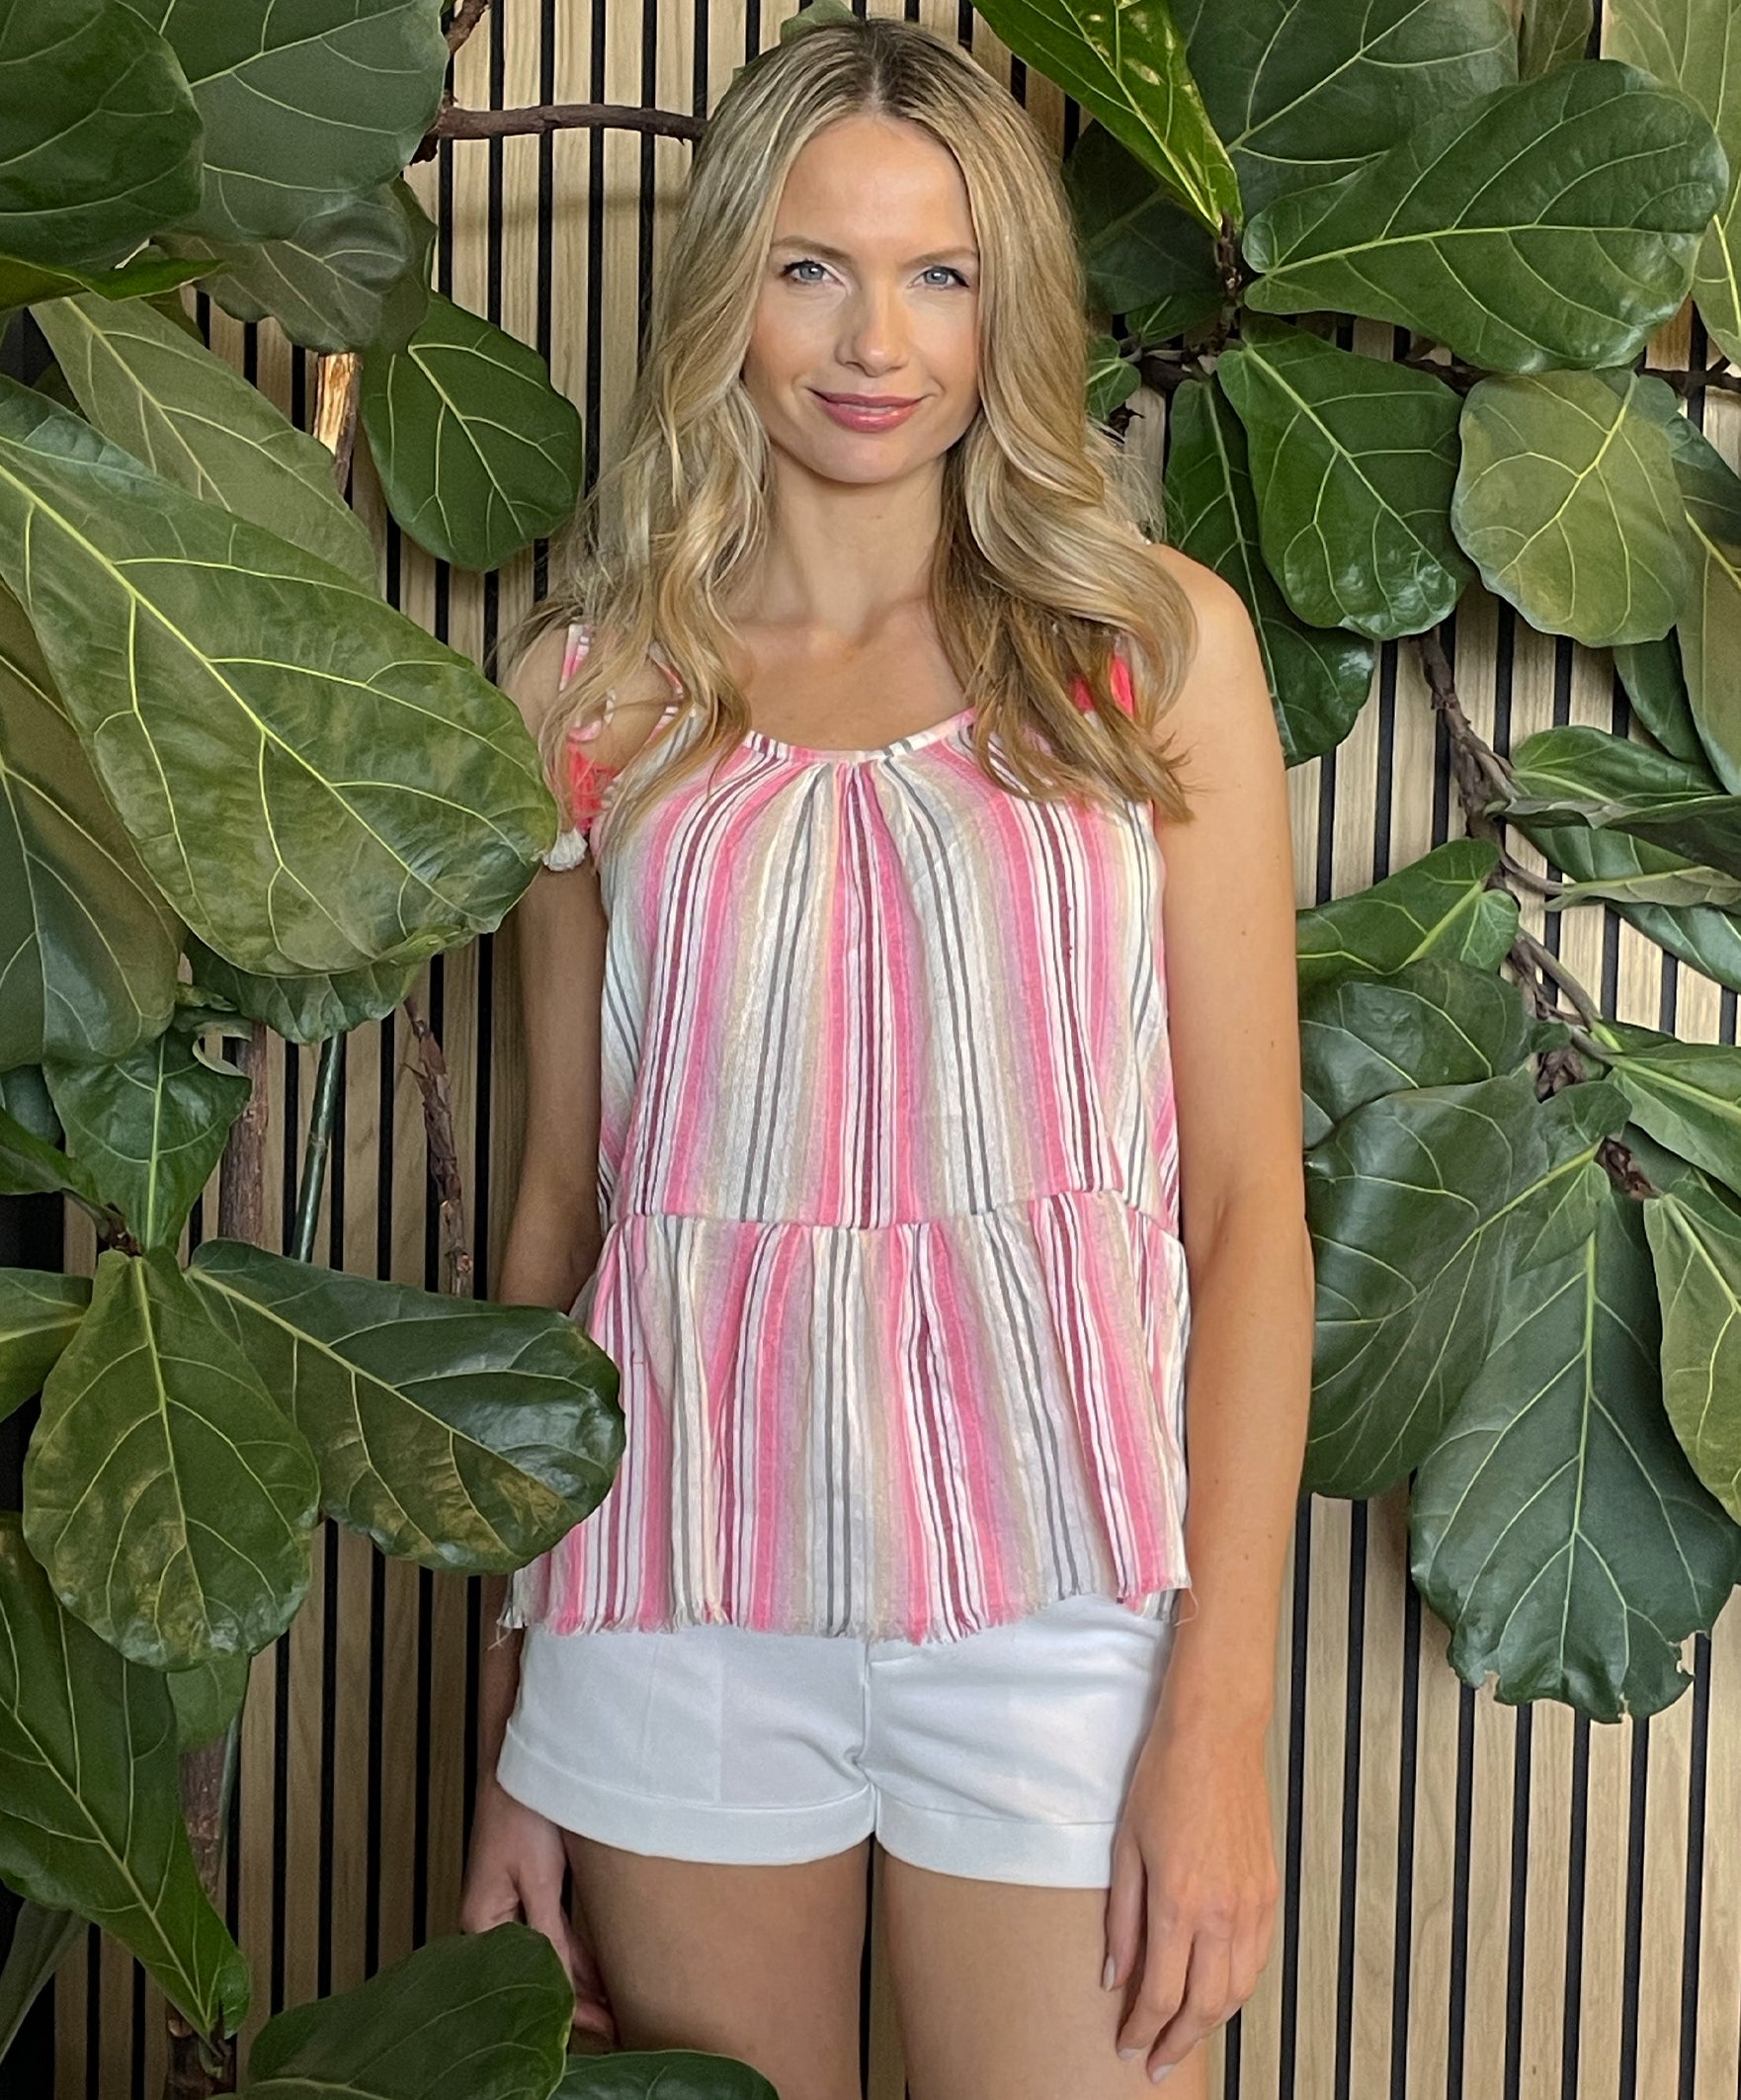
(1004, 1755)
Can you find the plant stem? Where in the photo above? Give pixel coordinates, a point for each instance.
(430, 1070)
(241, 1199)
(316, 1149)
(1478, 770)
(456, 123)
(466, 17)
(338, 387)
(203, 2064)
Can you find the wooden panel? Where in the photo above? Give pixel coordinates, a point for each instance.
(1482, 1903)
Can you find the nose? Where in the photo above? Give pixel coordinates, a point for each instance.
(876, 332)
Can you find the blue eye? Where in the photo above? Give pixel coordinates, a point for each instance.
(809, 262)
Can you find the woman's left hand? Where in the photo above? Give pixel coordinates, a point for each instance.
(1192, 1906)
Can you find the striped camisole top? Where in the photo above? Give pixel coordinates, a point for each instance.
(888, 1177)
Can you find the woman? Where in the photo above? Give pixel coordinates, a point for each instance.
(929, 1122)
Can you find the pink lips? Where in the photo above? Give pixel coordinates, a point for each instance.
(860, 411)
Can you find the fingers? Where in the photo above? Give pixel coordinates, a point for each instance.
(1208, 2003)
(1123, 1929)
(1198, 1964)
(1161, 1980)
(546, 1914)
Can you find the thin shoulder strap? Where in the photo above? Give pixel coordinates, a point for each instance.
(580, 639)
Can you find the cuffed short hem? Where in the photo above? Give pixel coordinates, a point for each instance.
(718, 1833)
(995, 1848)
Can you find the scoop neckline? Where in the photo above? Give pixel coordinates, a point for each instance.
(778, 747)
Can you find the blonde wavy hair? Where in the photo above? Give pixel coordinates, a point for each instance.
(1041, 568)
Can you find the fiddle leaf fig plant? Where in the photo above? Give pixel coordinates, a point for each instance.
(1412, 363)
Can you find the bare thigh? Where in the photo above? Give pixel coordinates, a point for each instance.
(999, 1993)
(758, 1962)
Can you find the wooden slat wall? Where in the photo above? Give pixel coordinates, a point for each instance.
(1481, 1901)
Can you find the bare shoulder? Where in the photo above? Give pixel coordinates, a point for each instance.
(534, 685)
(1220, 611)
(1221, 722)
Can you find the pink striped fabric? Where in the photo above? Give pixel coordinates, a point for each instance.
(888, 1170)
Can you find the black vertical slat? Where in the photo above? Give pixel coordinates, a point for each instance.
(1505, 664)
(1301, 1636)
(1456, 2013)
(377, 1597)
(1406, 1779)
(594, 246)
(329, 1545)
(1349, 1907)
(137, 2083)
(1520, 1887)
(93, 2014)
(1633, 1957)
(327, 1540)
(1578, 1852)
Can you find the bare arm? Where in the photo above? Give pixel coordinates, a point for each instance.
(516, 1863)
(1233, 1001)
(553, 1232)
(1194, 1890)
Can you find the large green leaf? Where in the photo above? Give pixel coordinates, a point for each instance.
(473, 2016)
(90, 1802)
(1695, 1231)
(163, 397)
(1711, 626)
(306, 1009)
(1556, 1526)
(87, 944)
(207, 1697)
(1353, 461)
(1319, 677)
(41, 1939)
(1145, 256)
(150, 1127)
(302, 105)
(1695, 45)
(1553, 33)
(102, 137)
(353, 277)
(1578, 772)
(1306, 91)
(32, 1166)
(478, 454)
(1656, 687)
(146, 276)
(1704, 938)
(661, 2074)
(1435, 1022)
(1686, 1095)
(460, 1434)
(1126, 67)
(167, 1496)
(1443, 904)
(1680, 884)
(1567, 501)
(1112, 377)
(1421, 1207)
(25, 1095)
(1549, 224)
(314, 782)
(39, 1315)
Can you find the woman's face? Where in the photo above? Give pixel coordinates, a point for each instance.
(872, 293)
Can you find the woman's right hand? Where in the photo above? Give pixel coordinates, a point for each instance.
(512, 1871)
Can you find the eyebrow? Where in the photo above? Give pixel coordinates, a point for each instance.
(840, 255)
